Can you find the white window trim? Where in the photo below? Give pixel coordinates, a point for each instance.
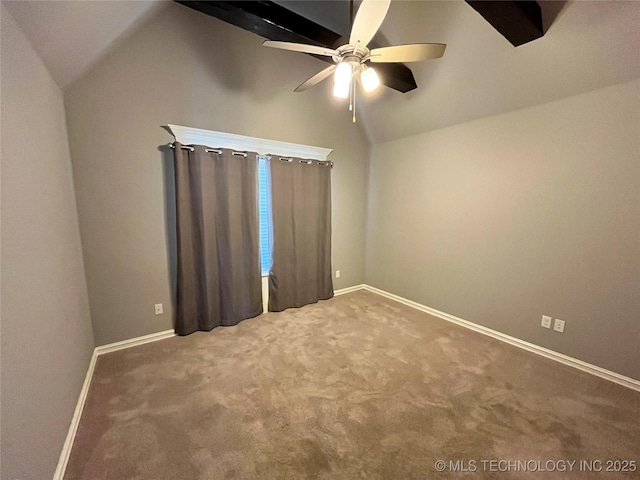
(263, 146)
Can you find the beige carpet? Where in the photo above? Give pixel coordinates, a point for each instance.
(354, 387)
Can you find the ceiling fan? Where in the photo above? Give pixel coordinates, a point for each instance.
(351, 60)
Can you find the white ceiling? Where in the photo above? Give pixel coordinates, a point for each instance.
(589, 45)
(73, 35)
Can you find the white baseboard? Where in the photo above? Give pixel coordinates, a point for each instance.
(545, 352)
(75, 421)
(132, 342)
(77, 414)
(342, 291)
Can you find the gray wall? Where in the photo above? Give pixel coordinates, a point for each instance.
(501, 220)
(188, 69)
(46, 331)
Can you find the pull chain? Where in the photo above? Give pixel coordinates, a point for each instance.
(353, 94)
(353, 119)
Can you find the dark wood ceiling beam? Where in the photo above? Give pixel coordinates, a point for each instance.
(274, 22)
(518, 21)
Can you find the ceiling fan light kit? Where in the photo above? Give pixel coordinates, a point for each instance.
(351, 59)
(370, 79)
(342, 80)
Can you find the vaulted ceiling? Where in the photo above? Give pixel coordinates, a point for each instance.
(587, 45)
(72, 36)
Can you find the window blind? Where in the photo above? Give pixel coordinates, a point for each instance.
(264, 210)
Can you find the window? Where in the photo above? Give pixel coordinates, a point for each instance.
(264, 212)
(196, 136)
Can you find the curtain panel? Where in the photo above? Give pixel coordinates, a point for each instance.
(301, 241)
(219, 277)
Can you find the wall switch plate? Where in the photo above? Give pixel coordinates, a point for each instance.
(546, 321)
(558, 326)
(337, 273)
(158, 308)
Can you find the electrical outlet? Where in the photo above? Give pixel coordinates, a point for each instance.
(546, 321)
(558, 325)
(337, 273)
(158, 308)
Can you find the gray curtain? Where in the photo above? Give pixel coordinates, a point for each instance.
(219, 278)
(301, 220)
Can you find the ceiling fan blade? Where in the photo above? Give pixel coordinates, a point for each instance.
(414, 52)
(300, 47)
(368, 19)
(316, 79)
